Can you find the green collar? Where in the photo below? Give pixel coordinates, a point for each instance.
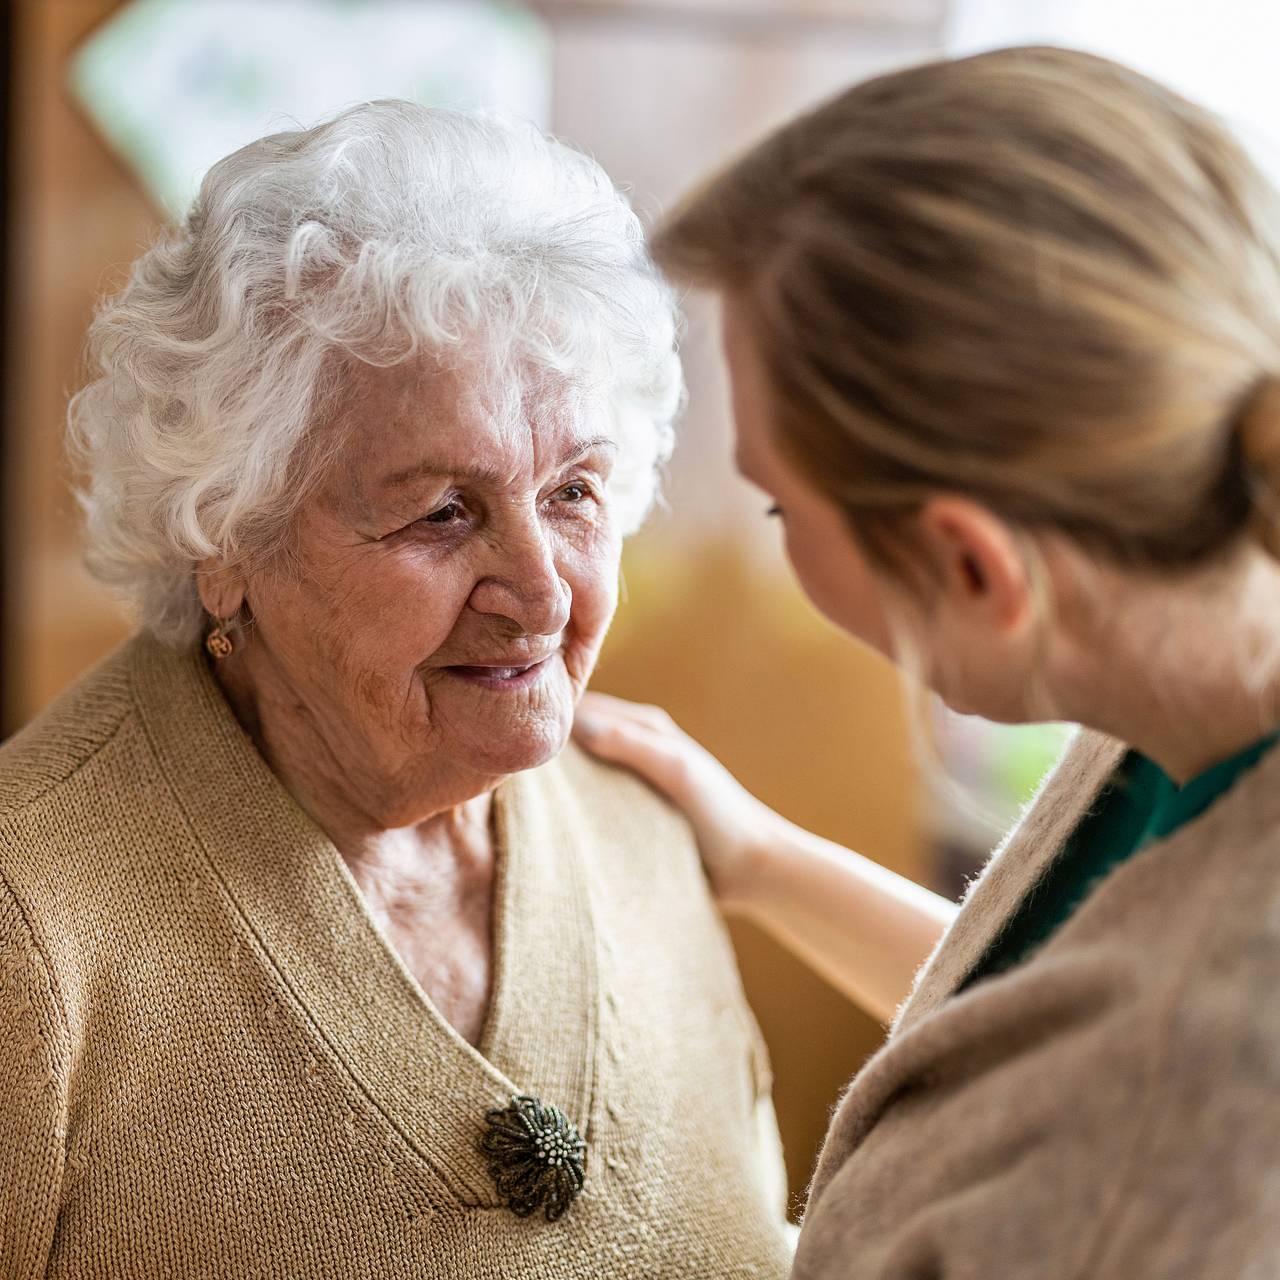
(1168, 805)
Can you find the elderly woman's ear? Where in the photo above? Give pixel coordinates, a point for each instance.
(222, 587)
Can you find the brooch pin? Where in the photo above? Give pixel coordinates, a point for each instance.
(537, 1159)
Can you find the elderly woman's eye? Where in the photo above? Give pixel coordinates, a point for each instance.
(774, 512)
(577, 492)
(444, 515)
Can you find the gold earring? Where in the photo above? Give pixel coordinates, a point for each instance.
(218, 642)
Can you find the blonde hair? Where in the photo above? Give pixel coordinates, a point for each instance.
(1034, 277)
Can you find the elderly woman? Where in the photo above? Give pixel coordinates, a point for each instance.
(321, 956)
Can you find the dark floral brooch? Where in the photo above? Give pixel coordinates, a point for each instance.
(535, 1156)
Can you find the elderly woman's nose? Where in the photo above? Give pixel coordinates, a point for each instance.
(525, 585)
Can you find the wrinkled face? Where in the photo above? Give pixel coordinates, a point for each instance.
(452, 581)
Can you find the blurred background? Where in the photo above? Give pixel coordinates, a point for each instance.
(110, 111)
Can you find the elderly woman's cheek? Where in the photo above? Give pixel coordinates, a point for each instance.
(593, 576)
(389, 617)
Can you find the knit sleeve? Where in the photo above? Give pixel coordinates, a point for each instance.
(1025, 1133)
(32, 1099)
(1200, 1192)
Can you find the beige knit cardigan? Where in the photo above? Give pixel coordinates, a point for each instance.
(1107, 1110)
(212, 1064)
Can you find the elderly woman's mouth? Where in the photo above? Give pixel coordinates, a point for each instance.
(495, 676)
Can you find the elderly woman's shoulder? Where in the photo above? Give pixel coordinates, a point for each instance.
(619, 792)
(623, 816)
(58, 744)
(62, 857)
(639, 854)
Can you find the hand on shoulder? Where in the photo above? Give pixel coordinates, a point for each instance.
(731, 825)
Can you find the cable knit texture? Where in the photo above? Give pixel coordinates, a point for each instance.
(212, 1064)
(1106, 1110)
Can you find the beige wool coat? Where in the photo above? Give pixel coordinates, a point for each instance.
(213, 1066)
(1107, 1110)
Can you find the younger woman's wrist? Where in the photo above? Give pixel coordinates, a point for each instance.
(757, 866)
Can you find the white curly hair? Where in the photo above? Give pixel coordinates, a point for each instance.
(390, 231)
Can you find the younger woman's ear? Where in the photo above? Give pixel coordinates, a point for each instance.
(977, 559)
(222, 588)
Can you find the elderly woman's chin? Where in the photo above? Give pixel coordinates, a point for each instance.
(500, 720)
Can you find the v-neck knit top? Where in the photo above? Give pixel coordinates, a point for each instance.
(213, 1064)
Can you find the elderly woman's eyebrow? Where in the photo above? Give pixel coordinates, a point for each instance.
(433, 467)
(578, 449)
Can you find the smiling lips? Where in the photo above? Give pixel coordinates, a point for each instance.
(493, 676)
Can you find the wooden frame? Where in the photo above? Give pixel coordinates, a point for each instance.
(8, 550)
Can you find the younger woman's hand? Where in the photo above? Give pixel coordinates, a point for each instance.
(732, 826)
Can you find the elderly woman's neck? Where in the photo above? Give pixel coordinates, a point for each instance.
(369, 817)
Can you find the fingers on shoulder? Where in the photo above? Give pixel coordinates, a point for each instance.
(606, 704)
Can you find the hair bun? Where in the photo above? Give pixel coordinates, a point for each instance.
(1258, 435)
